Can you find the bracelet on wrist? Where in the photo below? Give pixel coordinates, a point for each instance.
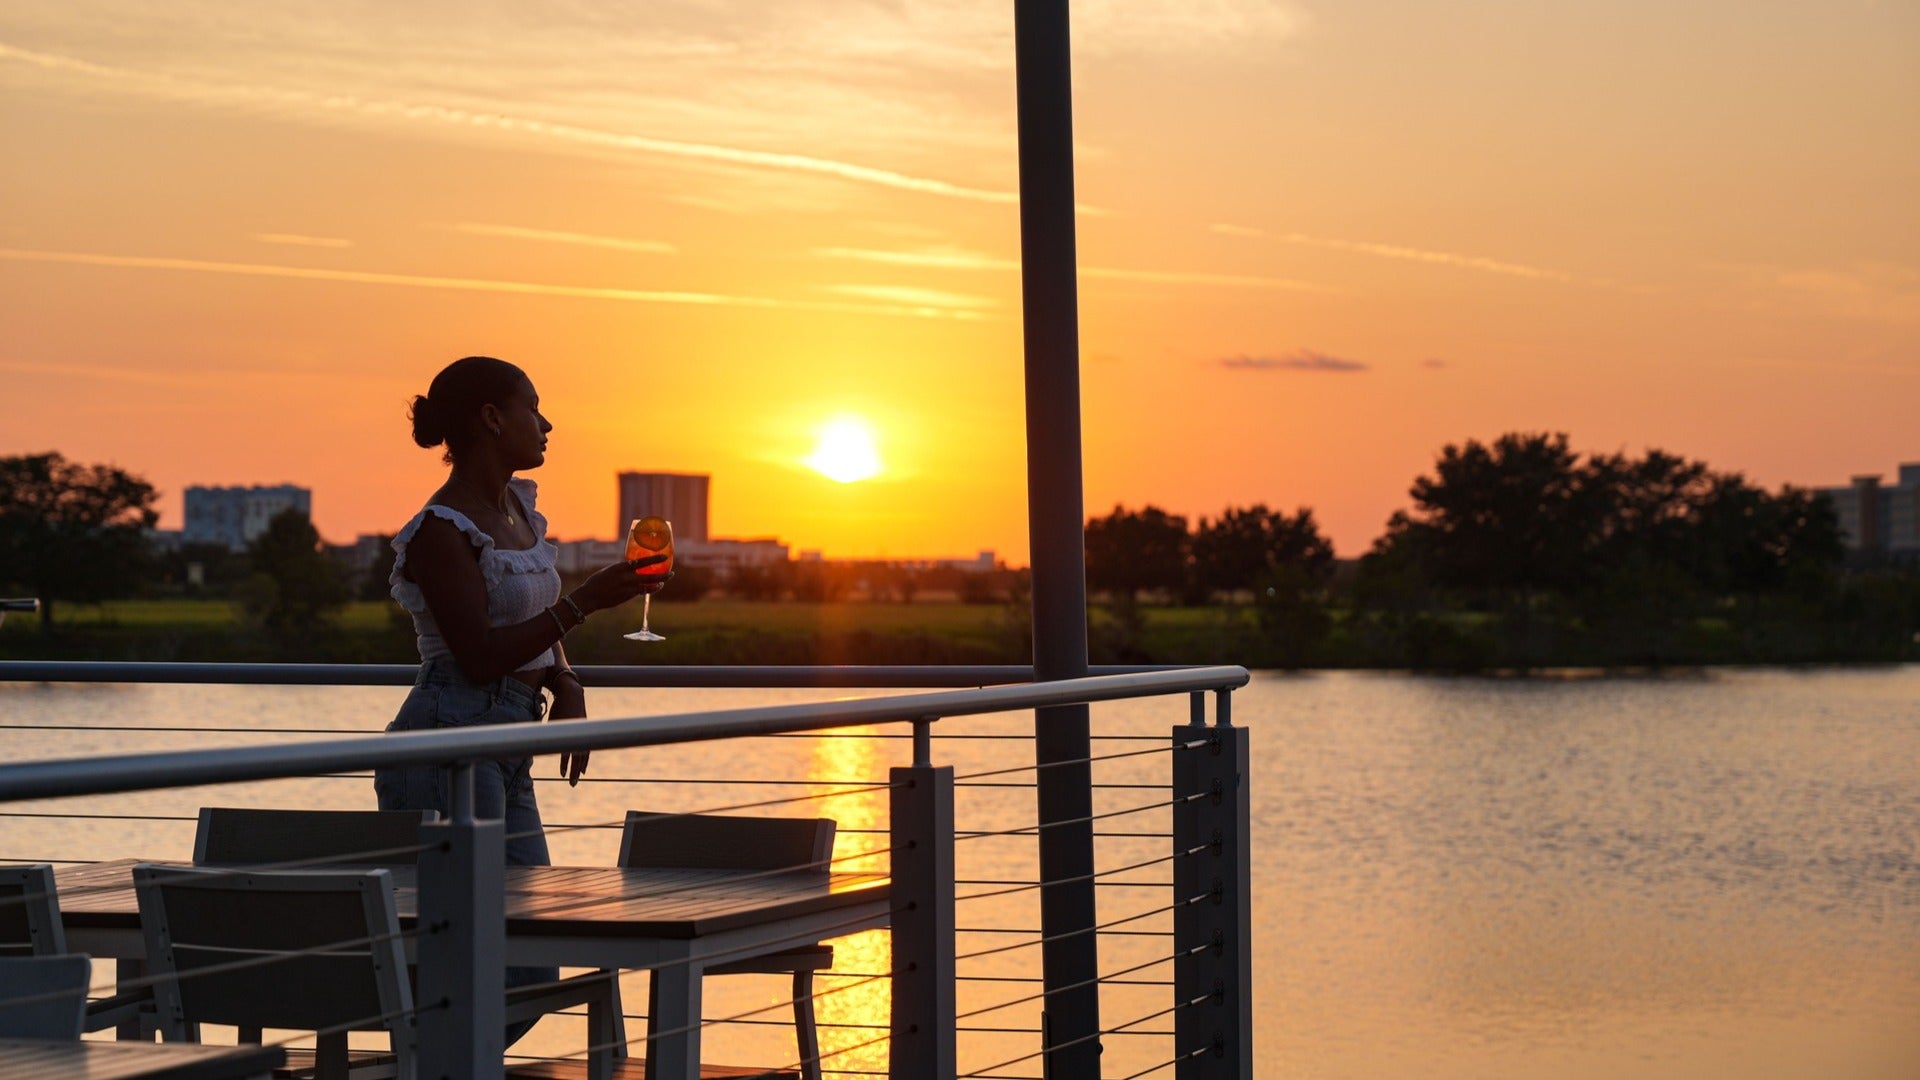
(577, 613)
(567, 673)
(554, 611)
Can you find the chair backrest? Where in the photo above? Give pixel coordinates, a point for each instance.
(724, 842)
(236, 836)
(30, 912)
(301, 949)
(51, 996)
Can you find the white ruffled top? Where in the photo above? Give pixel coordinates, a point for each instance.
(521, 583)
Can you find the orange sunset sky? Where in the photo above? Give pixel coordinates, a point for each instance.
(1318, 241)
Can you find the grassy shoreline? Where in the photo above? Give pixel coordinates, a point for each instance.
(725, 631)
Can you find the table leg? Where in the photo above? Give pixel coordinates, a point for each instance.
(673, 1006)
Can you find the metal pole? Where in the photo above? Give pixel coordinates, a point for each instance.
(1055, 517)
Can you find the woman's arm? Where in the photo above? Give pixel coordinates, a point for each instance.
(569, 703)
(569, 697)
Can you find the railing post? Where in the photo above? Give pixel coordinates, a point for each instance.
(462, 942)
(1213, 1030)
(923, 942)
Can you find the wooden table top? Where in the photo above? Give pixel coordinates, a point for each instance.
(598, 901)
(33, 1059)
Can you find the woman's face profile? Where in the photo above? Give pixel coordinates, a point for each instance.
(523, 431)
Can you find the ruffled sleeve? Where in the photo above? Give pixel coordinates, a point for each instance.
(406, 592)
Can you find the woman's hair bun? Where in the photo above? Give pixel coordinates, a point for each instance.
(429, 426)
(449, 412)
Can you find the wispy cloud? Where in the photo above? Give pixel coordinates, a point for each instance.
(297, 240)
(915, 297)
(1397, 251)
(1182, 277)
(102, 371)
(362, 277)
(957, 259)
(1872, 291)
(1303, 360)
(516, 232)
(155, 84)
(156, 377)
(930, 258)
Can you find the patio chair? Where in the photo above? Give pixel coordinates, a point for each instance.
(191, 915)
(325, 950)
(30, 927)
(239, 836)
(43, 997)
(722, 842)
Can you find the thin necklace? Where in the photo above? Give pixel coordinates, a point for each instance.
(483, 498)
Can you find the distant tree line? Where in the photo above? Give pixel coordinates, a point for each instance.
(72, 532)
(1516, 553)
(1522, 553)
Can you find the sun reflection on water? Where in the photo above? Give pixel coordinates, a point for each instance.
(864, 1006)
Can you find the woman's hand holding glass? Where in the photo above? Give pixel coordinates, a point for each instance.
(614, 585)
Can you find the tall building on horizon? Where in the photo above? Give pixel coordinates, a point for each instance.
(234, 516)
(681, 498)
(1882, 518)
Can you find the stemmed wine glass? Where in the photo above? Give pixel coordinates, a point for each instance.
(645, 537)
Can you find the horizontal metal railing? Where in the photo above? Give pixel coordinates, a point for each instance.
(761, 677)
(184, 768)
(993, 689)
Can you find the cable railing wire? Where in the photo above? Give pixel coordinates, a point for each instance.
(577, 1014)
(1188, 1056)
(1082, 761)
(840, 1052)
(1042, 1031)
(1085, 1038)
(1096, 928)
(1035, 830)
(368, 856)
(95, 817)
(277, 956)
(1029, 886)
(702, 781)
(1038, 979)
(365, 1023)
(733, 877)
(378, 854)
(1095, 787)
(1099, 884)
(749, 805)
(1098, 980)
(704, 1023)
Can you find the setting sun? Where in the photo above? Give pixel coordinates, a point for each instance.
(846, 452)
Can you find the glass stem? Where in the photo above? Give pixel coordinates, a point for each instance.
(646, 609)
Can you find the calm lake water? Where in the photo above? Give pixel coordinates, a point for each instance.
(1682, 877)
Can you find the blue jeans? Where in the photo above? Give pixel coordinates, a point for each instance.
(502, 790)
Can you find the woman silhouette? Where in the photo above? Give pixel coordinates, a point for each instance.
(476, 571)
